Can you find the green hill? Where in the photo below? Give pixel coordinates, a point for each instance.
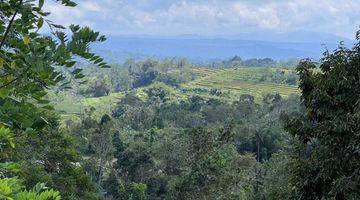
(226, 84)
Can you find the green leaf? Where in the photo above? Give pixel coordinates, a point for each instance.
(39, 123)
(42, 101)
(70, 64)
(76, 71)
(1, 62)
(40, 22)
(12, 65)
(78, 76)
(10, 166)
(26, 40)
(58, 26)
(48, 107)
(68, 3)
(98, 60)
(30, 131)
(59, 78)
(41, 3)
(104, 65)
(7, 137)
(4, 92)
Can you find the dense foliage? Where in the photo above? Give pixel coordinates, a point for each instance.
(237, 61)
(32, 146)
(327, 162)
(194, 148)
(174, 132)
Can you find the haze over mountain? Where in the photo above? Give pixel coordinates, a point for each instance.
(297, 44)
(216, 29)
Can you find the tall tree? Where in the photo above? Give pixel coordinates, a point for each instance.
(101, 142)
(328, 161)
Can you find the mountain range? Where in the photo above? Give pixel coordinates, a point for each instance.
(278, 46)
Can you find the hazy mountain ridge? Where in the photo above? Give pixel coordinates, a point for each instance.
(277, 46)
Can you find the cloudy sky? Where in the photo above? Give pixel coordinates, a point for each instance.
(212, 17)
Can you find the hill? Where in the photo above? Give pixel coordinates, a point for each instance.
(224, 84)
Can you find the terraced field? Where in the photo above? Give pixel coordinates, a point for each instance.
(240, 81)
(229, 84)
(203, 72)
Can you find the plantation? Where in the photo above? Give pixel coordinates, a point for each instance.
(243, 81)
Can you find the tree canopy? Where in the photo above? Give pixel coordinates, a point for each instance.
(30, 64)
(327, 163)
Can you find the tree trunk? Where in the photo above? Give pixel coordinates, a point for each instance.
(258, 148)
(101, 163)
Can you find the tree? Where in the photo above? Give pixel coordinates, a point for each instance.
(97, 87)
(101, 143)
(328, 160)
(277, 178)
(112, 186)
(29, 60)
(50, 156)
(144, 73)
(32, 63)
(214, 170)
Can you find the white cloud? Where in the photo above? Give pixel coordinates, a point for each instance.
(65, 15)
(213, 17)
(91, 6)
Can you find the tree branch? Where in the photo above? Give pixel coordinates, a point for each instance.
(9, 25)
(7, 84)
(17, 78)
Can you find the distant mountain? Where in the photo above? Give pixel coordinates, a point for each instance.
(277, 46)
(294, 37)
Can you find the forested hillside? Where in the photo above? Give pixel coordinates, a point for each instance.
(173, 133)
(73, 126)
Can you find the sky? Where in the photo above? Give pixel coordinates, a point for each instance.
(211, 17)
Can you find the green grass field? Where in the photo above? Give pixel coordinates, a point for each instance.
(71, 105)
(230, 82)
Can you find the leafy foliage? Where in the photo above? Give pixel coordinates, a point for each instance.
(328, 160)
(31, 63)
(169, 136)
(11, 188)
(190, 148)
(28, 59)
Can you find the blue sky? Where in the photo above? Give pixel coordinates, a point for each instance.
(211, 17)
